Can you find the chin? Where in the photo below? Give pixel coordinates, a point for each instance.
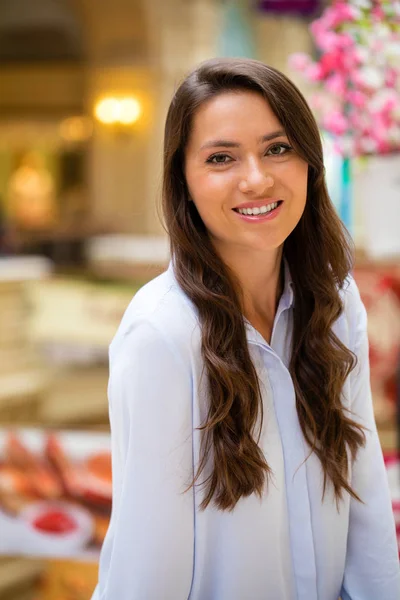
(266, 245)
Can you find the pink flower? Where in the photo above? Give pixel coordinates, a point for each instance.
(369, 77)
(340, 12)
(317, 101)
(361, 54)
(379, 135)
(343, 12)
(378, 131)
(336, 84)
(377, 13)
(344, 41)
(325, 40)
(331, 62)
(391, 78)
(384, 102)
(367, 145)
(299, 61)
(314, 72)
(344, 145)
(337, 147)
(383, 147)
(357, 121)
(335, 122)
(329, 41)
(394, 134)
(356, 98)
(377, 45)
(317, 27)
(327, 19)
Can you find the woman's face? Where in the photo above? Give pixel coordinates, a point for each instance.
(249, 186)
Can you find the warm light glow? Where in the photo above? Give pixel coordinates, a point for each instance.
(107, 110)
(118, 111)
(129, 111)
(76, 129)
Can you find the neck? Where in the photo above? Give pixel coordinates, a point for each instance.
(260, 279)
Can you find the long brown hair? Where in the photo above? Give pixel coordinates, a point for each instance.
(319, 255)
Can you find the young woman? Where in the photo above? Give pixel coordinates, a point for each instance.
(246, 461)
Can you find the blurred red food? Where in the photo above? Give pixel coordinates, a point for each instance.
(70, 474)
(55, 521)
(14, 481)
(15, 489)
(100, 465)
(42, 480)
(97, 485)
(89, 480)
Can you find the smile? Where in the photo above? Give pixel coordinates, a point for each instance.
(257, 209)
(260, 213)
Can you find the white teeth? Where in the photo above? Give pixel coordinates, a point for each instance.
(258, 210)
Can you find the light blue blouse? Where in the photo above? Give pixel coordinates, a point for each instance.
(288, 545)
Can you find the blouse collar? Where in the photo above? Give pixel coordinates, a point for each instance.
(287, 298)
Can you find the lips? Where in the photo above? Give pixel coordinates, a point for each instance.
(259, 215)
(258, 203)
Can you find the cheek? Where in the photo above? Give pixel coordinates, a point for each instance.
(299, 178)
(211, 196)
(210, 190)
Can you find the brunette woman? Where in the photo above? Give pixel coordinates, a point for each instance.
(246, 460)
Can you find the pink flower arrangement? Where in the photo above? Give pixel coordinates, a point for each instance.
(356, 78)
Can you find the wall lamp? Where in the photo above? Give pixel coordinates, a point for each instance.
(119, 112)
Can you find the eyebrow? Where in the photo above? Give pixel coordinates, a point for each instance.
(231, 144)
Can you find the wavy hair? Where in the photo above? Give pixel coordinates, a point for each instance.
(319, 255)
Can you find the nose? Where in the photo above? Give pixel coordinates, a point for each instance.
(256, 179)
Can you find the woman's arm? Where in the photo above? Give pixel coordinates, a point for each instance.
(372, 561)
(148, 550)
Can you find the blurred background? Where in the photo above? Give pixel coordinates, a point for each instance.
(84, 89)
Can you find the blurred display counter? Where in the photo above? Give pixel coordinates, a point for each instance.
(78, 398)
(64, 245)
(379, 285)
(127, 257)
(19, 577)
(72, 324)
(24, 378)
(74, 319)
(55, 331)
(77, 319)
(28, 579)
(67, 580)
(55, 492)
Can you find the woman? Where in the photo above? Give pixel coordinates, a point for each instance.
(246, 461)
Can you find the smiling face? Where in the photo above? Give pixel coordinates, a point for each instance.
(248, 184)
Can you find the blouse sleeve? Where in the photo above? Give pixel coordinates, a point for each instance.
(148, 550)
(372, 561)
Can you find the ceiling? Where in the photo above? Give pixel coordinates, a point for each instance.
(50, 32)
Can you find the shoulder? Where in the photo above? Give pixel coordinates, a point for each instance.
(160, 317)
(354, 313)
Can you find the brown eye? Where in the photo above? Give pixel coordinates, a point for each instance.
(219, 159)
(279, 149)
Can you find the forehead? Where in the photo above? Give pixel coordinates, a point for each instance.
(232, 114)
